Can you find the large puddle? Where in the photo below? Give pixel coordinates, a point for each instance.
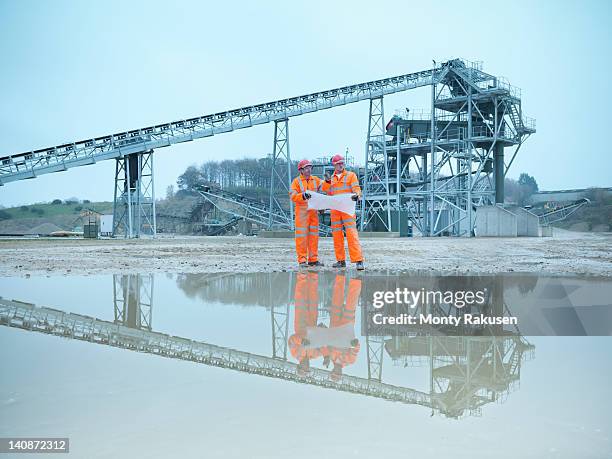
(267, 365)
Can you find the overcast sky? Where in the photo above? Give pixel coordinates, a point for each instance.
(74, 70)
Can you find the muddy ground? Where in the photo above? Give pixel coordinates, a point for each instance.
(565, 253)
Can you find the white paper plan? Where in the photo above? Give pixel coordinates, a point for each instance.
(341, 202)
(334, 336)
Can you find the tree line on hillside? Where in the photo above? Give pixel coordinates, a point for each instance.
(231, 173)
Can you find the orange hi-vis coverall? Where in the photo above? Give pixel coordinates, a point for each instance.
(346, 182)
(342, 313)
(306, 221)
(306, 298)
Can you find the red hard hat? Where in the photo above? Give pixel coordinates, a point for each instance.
(303, 163)
(337, 159)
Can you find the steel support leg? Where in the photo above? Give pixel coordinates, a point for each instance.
(280, 181)
(376, 196)
(375, 346)
(134, 196)
(133, 300)
(432, 183)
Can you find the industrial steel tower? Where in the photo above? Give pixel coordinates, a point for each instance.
(434, 169)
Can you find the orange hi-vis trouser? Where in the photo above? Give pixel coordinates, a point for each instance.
(340, 184)
(306, 221)
(306, 234)
(342, 313)
(306, 300)
(340, 220)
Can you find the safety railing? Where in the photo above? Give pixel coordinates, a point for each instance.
(423, 114)
(512, 90)
(529, 122)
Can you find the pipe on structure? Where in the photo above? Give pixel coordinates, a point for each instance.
(498, 170)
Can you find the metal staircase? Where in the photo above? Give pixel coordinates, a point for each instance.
(523, 125)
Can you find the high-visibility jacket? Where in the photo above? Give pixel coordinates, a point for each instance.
(300, 185)
(345, 182)
(306, 221)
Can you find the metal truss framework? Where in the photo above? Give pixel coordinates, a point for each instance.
(280, 180)
(375, 347)
(468, 366)
(279, 315)
(84, 328)
(466, 372)
(62, 157)
(561, 213)
(376, 196)
(437, 169)
(133, 300)
(134, 197)
(280, 329)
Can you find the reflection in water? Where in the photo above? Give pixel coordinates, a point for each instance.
(334, 342)
(133, 300)
(256, 289)
(465, 372)
(343, 352)
(321, 349)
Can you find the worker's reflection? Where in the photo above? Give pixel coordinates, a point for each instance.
(336, 343)
(306, 300)
(342, 345)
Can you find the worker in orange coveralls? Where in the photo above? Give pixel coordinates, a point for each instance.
(306, 221)
(343, 315)
(341, 182)
(306, 298)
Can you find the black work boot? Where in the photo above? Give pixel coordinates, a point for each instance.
(339, 264)
(360, 266)
(303, 265)
(315, 263)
